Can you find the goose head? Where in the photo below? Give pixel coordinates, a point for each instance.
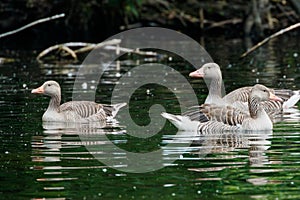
(262, 93)
(49, 88)
(209, 71)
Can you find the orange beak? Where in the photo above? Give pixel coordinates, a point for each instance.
(39, 90)
(197, 74)
(275, 98)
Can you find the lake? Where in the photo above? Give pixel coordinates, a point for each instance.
(79, 161)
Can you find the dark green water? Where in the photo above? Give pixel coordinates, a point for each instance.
(52, 161)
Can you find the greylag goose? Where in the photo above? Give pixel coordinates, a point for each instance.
(74, 111)
(211, 72)
(226, 118)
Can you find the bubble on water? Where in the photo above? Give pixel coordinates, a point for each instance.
(170, 58)
(49, 72)
(104, 170)
(92, 87)
(118, 74)
(169, 185)
(84, 85)
(295, 55)
(24, 85)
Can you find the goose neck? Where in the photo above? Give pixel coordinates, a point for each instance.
(54, 102)
(254, 107)
(215, 87)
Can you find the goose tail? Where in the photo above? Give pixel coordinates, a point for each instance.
(113, 109)
(183, 123)
(292, 100)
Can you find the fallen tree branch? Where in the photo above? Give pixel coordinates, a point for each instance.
(65, 49)
(127, 50)
(70, 51)
(32, 24)
(84, 47)
(99, 45)
(282, 31)
(224, 22)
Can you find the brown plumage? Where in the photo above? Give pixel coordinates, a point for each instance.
(212, 75)
(73, 111)
(210, 117)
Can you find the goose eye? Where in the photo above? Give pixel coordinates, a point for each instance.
(49, 85)
(265, 90)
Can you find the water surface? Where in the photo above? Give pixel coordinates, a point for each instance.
(44, 160)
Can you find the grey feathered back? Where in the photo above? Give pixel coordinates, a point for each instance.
(242, 94)
(74, 111)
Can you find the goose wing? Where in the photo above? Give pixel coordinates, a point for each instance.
(210, 112)
(84, 109)
(240, 94)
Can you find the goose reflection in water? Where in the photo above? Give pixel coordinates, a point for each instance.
(219, 148)
(79, 127)
(56, 135)
(60, 145)
(222, 142)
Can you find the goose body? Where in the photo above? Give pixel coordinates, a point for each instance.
(226, 118)
(73, 111)
(290, 98)
(211, 73)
